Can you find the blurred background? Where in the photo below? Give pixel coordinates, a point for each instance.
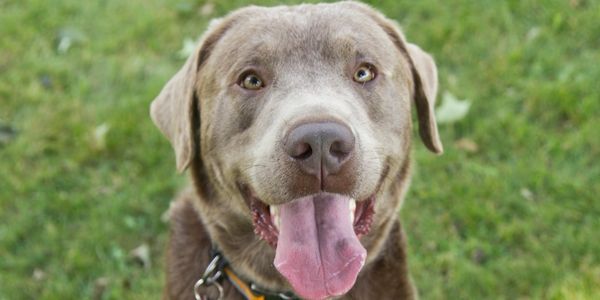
(510, 211)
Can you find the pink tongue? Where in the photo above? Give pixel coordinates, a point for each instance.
(317, 249)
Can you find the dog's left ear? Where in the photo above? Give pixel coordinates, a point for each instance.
(426, 85)
(424, 73)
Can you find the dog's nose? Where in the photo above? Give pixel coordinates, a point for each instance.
(320, 149)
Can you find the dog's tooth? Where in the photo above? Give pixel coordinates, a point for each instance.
(274, 210)
(277, 222)
(275, 219)
(352, 207)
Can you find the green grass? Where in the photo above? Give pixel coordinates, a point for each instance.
(518, 218)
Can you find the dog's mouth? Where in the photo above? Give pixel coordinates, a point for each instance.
(267, 218)
(316, 239)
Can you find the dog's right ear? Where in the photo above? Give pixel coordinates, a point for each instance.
(424, 74)
(175, 108)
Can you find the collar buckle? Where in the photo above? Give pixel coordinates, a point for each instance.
(210, 279)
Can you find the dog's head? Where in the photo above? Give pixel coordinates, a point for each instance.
(299, 116)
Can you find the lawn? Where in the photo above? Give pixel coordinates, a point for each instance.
(511, 210)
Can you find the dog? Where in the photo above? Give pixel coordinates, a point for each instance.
(295, 124)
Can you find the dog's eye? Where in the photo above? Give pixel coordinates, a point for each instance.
(364, 73)
(251, 81)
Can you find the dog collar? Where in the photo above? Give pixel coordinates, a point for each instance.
(218, 270)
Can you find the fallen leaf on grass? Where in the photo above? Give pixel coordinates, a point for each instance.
(68, 37)
(207, 9)
(100, 286)
(38, 274)
(533, 33)
(141, 254)
(452, 109)
(466, 144)
(189, 45)
(527, 193)
(100, 136)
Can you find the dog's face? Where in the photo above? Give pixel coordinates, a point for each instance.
(299, 115)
